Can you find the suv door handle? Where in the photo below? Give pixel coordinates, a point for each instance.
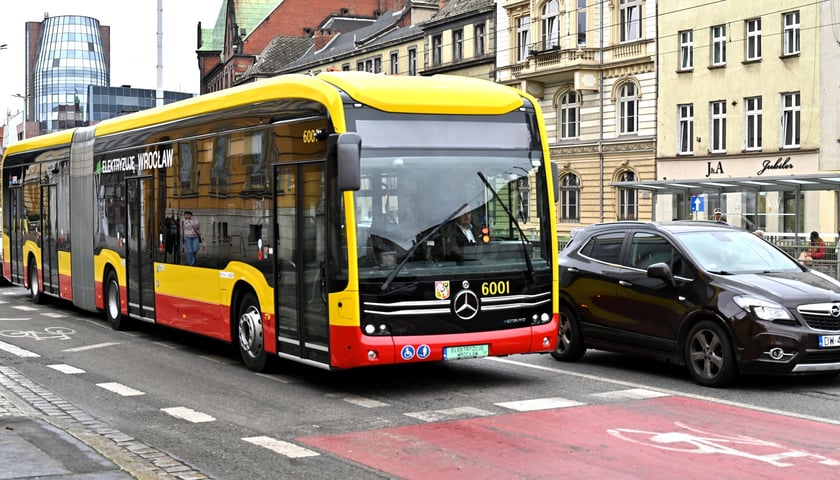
(624, 283)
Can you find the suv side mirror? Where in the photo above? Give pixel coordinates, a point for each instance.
(662, 271)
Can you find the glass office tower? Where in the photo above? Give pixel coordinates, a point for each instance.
(70, 57)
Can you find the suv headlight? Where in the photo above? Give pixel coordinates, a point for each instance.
(762, 308)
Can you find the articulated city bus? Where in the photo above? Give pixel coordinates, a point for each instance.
(326, 208)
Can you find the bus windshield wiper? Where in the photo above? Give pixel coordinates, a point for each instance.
(522, 236)
(417, 244)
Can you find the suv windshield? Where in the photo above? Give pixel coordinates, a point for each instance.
(732, 251)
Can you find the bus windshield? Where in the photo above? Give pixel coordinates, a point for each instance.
(464, 211)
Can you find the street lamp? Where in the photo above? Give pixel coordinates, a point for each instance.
(25, 104)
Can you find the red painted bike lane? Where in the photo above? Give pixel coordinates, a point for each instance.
(663, 438)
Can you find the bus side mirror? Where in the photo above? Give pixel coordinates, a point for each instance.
(348, 161)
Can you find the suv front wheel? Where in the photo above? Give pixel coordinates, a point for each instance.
(569, 339)
(709, 355)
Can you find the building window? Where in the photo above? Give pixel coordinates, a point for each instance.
(790, 120)
(523, 32)
(581, 23)
(791, 33)
(719, 45)
(480, 40)
(457, 45)
(628, 108)
(717, 112)
(686, 50)
(685, 127)
(569, 198)
(373, 65)
(570, 115)
(753, 40)
(752, 123)
(550, 25)
(630, 20)
(395, 63)
(345, 67)
(628, 199)
(437, 49)
(412, 61)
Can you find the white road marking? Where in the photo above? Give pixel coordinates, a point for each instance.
(17, 319)
(25, 308)
(283, 448)
(53, 315)
(357, 400)
(188, 414)
(68, 369)
(91, 347)
(540, 404)
(276, 378)
(447, 414)
(120, 389)
(631, 394)
(15, 350)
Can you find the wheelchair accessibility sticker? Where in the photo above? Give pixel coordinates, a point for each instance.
(407, 352)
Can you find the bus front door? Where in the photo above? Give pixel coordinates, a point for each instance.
(299, 245)
(49, 252)
(140, 243)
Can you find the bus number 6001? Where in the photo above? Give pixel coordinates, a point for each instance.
(495, 288)
(309, 136)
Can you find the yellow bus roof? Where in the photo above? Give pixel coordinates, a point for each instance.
(50, 140)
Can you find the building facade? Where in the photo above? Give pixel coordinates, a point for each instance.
(750, 90)
(109, 102)
(592, 65)
(64, 55)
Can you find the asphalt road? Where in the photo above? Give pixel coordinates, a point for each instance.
(165, 404)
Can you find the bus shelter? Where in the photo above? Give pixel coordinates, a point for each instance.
(770, 203)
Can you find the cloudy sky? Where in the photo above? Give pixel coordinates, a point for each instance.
(134, 52)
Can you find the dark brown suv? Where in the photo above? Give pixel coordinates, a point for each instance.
(703, 294)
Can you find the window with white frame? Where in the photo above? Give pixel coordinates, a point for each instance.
(395, 63)
(373, 65)
(412, 61)
(437, 49)
(686, 50)
(630, 20)
(569, 198)
(569, 115)
(718, 45)
(550, 16)
(685, 129)
(752, 30)
(457, 45)
(581, 23)
(717, 114)
(523, 37)
(790, 120)
(752, 123)
(479, 37)
(628, 108)
(791, 33)
(628, 198)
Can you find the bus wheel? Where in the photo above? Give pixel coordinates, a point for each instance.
(249, 328)
(34, 290)
(112, 302)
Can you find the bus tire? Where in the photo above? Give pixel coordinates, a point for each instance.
(250, 334)
(34, 288)
(113, 311)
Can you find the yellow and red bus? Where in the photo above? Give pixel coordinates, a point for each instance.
(326, 207)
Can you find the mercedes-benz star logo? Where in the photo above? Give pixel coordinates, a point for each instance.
(466, 304)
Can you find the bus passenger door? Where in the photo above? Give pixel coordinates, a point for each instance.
(49, 253)
(17, 234)
(299, 255)
(140, 243)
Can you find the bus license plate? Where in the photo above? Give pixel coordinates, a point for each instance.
(829, 341)
(466, 351)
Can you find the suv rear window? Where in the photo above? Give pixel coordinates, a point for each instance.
(605, 247)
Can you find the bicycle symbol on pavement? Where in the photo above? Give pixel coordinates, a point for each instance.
(693, 440)
(49, 333)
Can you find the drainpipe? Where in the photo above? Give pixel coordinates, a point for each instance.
(601, 107)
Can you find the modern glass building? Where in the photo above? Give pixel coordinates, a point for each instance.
(71, 55)
(108, 102)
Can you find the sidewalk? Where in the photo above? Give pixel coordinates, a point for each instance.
(41, 435)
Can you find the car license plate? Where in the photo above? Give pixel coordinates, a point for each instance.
(466, 351)
(829, 341)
